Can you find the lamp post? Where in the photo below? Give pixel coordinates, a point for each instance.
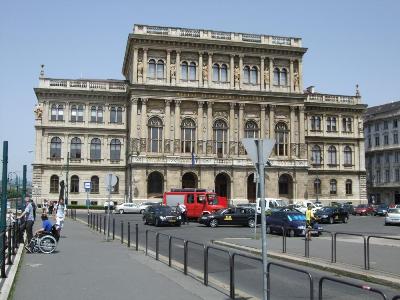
(10, 174)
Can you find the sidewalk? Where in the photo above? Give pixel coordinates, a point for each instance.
(253, 246)
(87, 267)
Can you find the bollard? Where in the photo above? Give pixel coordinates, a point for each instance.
(129, 234)
(157, 244)
(122, 232)
(3, 255)
(9, 260)
(169, 250)
(88, 220)
(14, 239)
(113, 230)
(306, 244)
(104, 229)
(137, 237)
(101, 221)
(97, 222)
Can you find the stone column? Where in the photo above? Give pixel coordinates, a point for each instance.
(302, 132)
(293, 144)
(143, 126)
(200, 127)
(291, 76)
(232, 144)
(241, 128)
(133, 134)
(272, 122)
(262, 79)
(200, 69)
(177, 127)
(339, 125)
(144, 65)
(262, 121)
(168, 67)
(210, 68)
(241, 71)
(134, 65)
(178, 66)
(232, 71)
(167, 138)
(271, 73)
(300, 70)
(209, 145)
(67, 112)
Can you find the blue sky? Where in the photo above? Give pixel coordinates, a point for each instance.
(348, 42)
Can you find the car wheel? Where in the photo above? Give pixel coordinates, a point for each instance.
(251, 223)
(345, 219)
(141, 211)
(121, 211)
(268, 230)
(331, 220)
(145, 221)
(157, 223)
(178, 224)
(291, 233)
(214, 223)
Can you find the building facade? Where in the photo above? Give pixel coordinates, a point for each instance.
(188, 98)
(382, 153)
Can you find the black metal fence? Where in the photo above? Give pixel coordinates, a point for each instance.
(9, 243)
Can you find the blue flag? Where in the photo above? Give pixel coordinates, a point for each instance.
(193, 158)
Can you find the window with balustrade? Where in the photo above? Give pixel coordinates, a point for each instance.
(55, 148)
(220, 137)
(332, 156)
(377, 141)
(188, 136)
(333, 186)
(57, 112)
(251, 130)
(348, 156)
(77, 113)
(54, 182)
(155, 131)
(96, 114)
(349, 187)
(115, 150)
(94, 185)
(76, 148)
(116, 114)
(316, 156)
(74, 186)
(282, 139)
(95, 149)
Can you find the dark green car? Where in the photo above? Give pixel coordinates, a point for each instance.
(159, 215)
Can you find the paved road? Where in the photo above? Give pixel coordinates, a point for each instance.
(248, 273)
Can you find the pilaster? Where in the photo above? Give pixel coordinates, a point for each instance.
(209, 146)
(291, 76)
(145, 65)
(272, 122)
(200, 126)
(293, 143)
(240, 71)
(262, 79)
(200, 69)
(178, 66)
(232, 71)
(232, 143)
(133, 135)
(210, 54)
(143, 125)
(167, 141)
(134, 65)
(168, 67)
(262, 121)
(241, 128)
(177, 130)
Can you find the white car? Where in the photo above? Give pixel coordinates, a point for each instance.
(127, 208)
(270, 203)
(392, 216)
(144, 205)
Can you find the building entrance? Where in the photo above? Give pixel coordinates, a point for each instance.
(251, 189)
(222, 185)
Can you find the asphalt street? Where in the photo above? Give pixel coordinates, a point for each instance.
(248, 273)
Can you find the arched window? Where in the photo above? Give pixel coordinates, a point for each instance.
(276, 76)
(316, 155)
(57, 112)
(215, 72)
(224, 73)
(251, 130)
(74, 113)
(116, 114)
(192, 71)
(346, 125)
(76, 148)
(282, 139)
(283, 78)
(96, 114)
(94, 184)
(115, 149)
(254, 75)
(349, 187)
(54, 182)
(246, 74)
(348, 159)
(155, 134)
(316, 123)
(95, 149)
(184, 71)
(331, 124)
(317, 186)
(188, 128)
(160, 69)
(151, 73)
(333, 187)
(80, 113)
(55, 147)
(332, 155)
(74, 184)
(220, 137)
(155, 184)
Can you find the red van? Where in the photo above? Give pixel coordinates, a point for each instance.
(197, 201)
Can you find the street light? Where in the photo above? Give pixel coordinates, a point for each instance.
(10, 174)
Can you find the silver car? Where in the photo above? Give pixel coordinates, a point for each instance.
(127, 208)
(392, 216)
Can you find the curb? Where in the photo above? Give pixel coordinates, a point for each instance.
(9, 281)
(309, 262)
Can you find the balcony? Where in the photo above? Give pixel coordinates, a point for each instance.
(82, 84)
(217, 35)
(337, 99)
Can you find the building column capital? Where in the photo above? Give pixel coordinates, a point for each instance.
(167, 102)
(232, 105)
(178, 102)
(177, 51)
(134, 99)
(200, 103)
(169, 50)
(144, 100)
(263, 107)
(210, 53)
(242, 105)
(272, 107)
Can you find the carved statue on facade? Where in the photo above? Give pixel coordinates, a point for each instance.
(167, 146)
(236, 75)
(173, 71)
(38, 111)
(205, 72)
(266, 76)
(140, 68)
(296, 79)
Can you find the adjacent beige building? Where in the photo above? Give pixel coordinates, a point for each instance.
(189, 97)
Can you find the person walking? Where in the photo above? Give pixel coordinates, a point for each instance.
(45, 207)
(51, 207)
(309, 218)
(29, 220)
(182, 208)
(60, 211)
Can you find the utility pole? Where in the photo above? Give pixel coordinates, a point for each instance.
(4, 188)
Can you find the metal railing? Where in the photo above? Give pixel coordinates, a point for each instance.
(335, 234)
(10, 239)
(368, 244)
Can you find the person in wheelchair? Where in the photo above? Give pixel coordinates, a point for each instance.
(45, 239)
(46, 225)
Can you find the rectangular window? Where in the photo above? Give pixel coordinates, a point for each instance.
(395, 138)
(74, 202)
(386, 140)
(377, 126)
(385, 125)
(378, 159)
(394, 123)
(369, 142)
(396, 157)
(378, 176)
(397, 175)
(387, 158)
(387, 175)
(377, 141)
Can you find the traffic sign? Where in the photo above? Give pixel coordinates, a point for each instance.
(252, 150)
(111, 181)
(87, 185)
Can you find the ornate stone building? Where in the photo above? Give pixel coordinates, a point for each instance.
(382, 153)
(189, 97)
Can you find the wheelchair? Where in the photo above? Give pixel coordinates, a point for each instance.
(44, 242)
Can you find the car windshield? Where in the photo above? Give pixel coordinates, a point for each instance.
(164, 209)
(296, 217)
(326, 209)
(383, 206)
(394, 211)
(212, 199)
(220, 211)
(281, 203)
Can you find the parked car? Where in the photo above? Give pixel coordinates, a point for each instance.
(161, 215)
(332, 214)
(294, 223)
(381, 210)
(270, 204)
(364, 210)
(231, 216)
(392, 216)
(144, 205)
(247, 205)
(127, 208)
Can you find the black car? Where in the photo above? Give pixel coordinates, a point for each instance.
(332, 214)
(381, 210)
(161, 215)
(231, 216)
